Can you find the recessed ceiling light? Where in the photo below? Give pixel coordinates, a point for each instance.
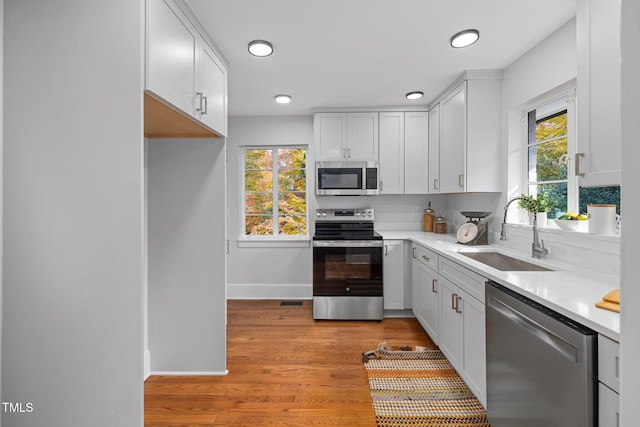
(414, 95)
(260, 48)
(465, 38)
(283, 99)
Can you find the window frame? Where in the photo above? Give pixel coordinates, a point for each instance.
(267, 240)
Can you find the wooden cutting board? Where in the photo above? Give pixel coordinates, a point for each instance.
(610, 301)
(613, 296)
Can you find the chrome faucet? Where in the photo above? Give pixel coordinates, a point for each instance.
(537, 247)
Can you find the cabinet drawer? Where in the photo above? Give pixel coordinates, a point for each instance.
(426, 257)
(609, 363)
(467, 280)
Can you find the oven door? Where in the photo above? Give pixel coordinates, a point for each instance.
(347, 268)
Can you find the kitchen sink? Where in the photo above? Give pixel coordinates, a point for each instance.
(503, 262)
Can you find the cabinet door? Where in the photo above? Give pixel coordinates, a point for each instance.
(392, 148)
(171, 50)
(416, 153)
(393, 272)
(608, 407)
(453, 135)
(449, 339)
(211, 89)
(473, 355)
(428, 305)
(330, 136)
(362, 136)
(434, 150)
(598, 92)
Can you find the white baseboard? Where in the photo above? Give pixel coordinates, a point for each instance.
(192, 373)
(269, 291)
(147, 364)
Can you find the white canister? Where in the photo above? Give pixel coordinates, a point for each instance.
(602, 219)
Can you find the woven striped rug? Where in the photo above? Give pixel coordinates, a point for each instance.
(419, 387)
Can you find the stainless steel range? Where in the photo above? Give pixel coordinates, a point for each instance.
(347, 266)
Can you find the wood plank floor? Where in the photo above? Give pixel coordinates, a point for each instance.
(285, 369)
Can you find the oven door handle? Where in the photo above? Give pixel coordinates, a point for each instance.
(348, 244)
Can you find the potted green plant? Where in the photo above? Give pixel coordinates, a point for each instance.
(541, 205)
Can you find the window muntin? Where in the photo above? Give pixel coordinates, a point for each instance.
(275, 192)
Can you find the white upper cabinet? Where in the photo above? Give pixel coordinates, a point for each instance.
(392, 152)
(211, 90)
(416, 152)
(434, 150)
(403, 140)
(182, 69)
(346, 136)
(453, 139)
(171, 55)
(469, 136)
(598, 93)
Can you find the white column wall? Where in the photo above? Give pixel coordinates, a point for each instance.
(630, 287)
(187, 292)
(72, 342)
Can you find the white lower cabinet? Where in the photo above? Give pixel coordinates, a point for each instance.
(462, 333)
(393, 274)
(608, 407)
(609, 382)
(425, 289)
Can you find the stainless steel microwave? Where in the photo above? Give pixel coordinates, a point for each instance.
(347, 178)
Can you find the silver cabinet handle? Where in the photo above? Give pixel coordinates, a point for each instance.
(204, 98)
(453, 302)
(461, 181)
(426, 258)
(433, 286)
(386, 250)
(458, 304)
(199, 107)
(577, 164)
(435, 184)
(413, 255)
(348, 153)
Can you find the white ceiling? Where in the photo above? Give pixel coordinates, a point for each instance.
(365, 53)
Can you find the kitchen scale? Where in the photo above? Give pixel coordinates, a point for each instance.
(474, 231)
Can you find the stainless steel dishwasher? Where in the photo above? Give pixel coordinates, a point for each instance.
(541, 365)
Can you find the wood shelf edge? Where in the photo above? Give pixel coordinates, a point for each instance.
(162, 120)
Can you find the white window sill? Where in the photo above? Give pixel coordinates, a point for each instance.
(274, 243)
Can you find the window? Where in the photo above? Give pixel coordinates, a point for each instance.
(275, 192)
(550, 151)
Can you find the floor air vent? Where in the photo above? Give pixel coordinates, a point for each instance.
(283, 303)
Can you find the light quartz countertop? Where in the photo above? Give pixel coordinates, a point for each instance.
(567, 289)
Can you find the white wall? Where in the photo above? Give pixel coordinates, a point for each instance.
(525, 80)
(73, 217)
(187, 294)
(259, 272)
(630, 289)
(1, 173)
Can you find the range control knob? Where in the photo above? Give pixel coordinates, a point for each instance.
(368, 213)
(348, 289)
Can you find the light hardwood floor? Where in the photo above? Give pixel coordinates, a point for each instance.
(285, 369)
